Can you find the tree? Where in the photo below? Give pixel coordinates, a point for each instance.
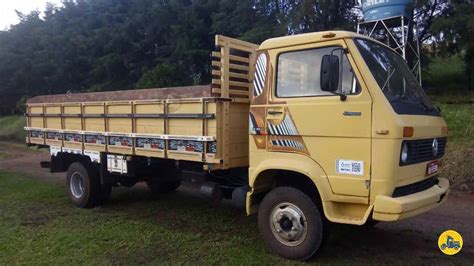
(97, 45)
(163, 75)
(455, 32)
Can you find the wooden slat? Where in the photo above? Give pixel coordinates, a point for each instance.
(232, 83)
(237, 92)
(239, 67)
(216, 72)
(239, 84)
(236, 44)
(239, 58)
(227, 81)
(125, 95)
(231, 92)
(231, 74)
(225, 66)
(241, 100)
(238, 75)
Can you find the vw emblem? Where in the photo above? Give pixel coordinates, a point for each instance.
(434, 146)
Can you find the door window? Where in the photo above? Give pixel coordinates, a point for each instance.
(299, 73)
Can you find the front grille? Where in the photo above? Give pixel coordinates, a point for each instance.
(415, 187)
(422, 150)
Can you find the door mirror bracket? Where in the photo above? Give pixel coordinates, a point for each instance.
(342, 96)
(331, 72)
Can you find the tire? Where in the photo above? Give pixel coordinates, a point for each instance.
(83, 186)
(281, 223)
(157, 187)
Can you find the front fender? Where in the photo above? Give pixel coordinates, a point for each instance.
(290, 162)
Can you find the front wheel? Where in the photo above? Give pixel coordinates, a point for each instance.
(291, 223)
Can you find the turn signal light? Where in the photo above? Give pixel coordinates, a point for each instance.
(408, 132)
(444, 131)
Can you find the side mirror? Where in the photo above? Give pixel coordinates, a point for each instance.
(330, 73)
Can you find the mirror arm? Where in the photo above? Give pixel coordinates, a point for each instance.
(342, 96)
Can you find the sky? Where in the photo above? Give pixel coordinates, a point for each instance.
(7, 9)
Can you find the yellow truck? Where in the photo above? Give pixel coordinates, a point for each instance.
(306, 130)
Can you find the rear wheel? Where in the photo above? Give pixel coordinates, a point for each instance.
(291, 223)
(83, 186)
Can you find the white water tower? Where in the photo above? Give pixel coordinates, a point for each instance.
(390, 22)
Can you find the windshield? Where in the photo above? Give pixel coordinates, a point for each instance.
(395, 79)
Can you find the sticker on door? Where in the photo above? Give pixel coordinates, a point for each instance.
(350, 167)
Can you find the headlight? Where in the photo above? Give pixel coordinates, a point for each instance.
(404, 154)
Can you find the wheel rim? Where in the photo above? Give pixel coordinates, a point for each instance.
(77, 185)
(288, 224)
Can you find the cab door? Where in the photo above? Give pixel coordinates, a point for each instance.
(333, 131)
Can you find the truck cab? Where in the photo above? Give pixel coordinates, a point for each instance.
(340, 117)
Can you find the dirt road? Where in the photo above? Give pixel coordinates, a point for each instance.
(411, 241)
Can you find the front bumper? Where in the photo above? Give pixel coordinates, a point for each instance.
(392, 209)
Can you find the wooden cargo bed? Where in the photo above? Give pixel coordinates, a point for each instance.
(193, 129)
(206, 124)
(127, 95)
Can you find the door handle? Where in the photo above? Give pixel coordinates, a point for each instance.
(382, 131)
(275, 112)
(351, 113)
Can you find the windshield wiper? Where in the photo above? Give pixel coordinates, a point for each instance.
(428, 108)
(425, 106)
(388, 78)
(401, 99)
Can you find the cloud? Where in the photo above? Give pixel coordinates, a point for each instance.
(7, 10)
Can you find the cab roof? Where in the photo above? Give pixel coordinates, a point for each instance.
(305, 38)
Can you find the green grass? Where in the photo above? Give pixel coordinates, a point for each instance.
(460, 120)
(457, 163)
(458, 112)
(11, 128)
(38, 225)
(445, 73)
(453, 97)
